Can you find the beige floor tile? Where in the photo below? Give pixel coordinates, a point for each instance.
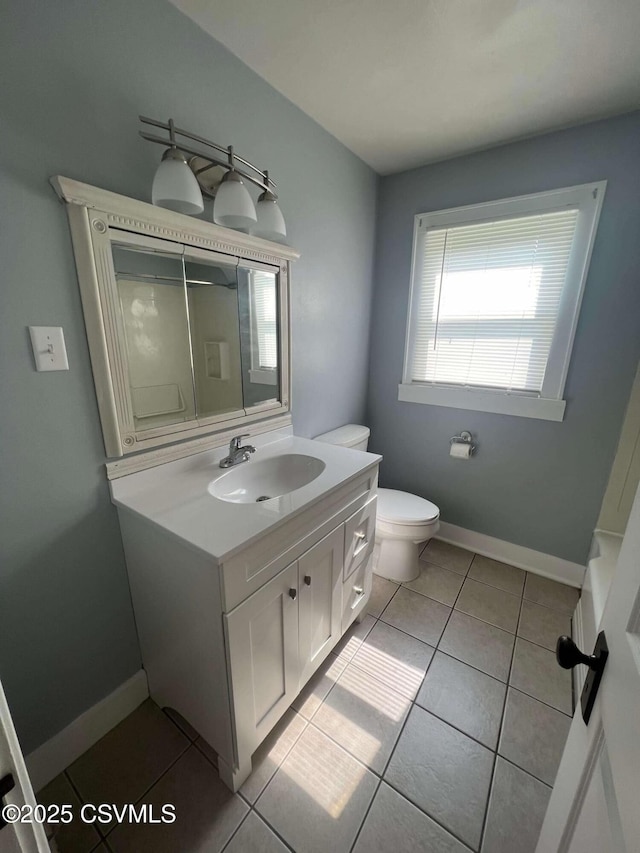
(464, 697)
(533, 736)
(535, 671)
(129, 759)
(381, 594)
(395, 824)
(353, 639)
(207, 813)
(542, 625)
(419, 616)
(444, 773)
(74, 837)
(313, 693)
(550, 593)
(448, 556)
(437, 583)
(479, 644)
(364, 716)
(497, 574)
(490, 604)
(254, 836)
(517, 807)
(319, 796)
(395, 658)
(271, 753)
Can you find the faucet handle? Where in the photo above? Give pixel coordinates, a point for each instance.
(235, 441)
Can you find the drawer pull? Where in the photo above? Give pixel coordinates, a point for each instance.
(293, 593)
(358, 590)
(307, 580)
(360, 535)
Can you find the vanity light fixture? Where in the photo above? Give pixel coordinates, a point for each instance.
(222, 179)
(174, 184)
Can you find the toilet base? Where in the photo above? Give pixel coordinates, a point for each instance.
(397, 559)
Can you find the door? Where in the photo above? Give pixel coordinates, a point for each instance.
(262, 643)
(320, 583)
(15, 837)
(594, 807)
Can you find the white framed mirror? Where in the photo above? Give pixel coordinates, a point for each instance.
(187, 322)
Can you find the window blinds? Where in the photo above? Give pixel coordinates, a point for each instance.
(263, 297)
(488, 299)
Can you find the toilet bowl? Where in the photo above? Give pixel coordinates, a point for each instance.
(404, 522)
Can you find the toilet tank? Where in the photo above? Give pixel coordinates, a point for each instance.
(354, 436)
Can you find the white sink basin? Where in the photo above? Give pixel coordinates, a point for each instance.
(254, 482)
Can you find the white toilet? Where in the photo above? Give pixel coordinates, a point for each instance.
(404, 522)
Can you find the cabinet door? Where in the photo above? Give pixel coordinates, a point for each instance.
(320, 584)
(262, 643)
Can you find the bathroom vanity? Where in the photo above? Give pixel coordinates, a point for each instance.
(242, 579)
(237, 600)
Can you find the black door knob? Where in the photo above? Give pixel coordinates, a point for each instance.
(307, 580)
(569, 655)
(293, 593)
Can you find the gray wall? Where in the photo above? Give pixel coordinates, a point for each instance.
(75, 76)
(534, 483)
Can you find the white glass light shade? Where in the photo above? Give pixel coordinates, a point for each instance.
(233, 206)
(271, 223)
(175, 186)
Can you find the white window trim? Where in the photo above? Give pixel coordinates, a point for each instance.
(549, 405)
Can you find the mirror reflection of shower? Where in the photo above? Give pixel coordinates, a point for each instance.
(201, 335)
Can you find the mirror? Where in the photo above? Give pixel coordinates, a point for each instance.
(201, 335)
(187, 322)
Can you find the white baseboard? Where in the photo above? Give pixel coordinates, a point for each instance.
(516, 555)
(50, 759)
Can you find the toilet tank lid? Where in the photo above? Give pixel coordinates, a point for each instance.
(403, 508)
(346, 436)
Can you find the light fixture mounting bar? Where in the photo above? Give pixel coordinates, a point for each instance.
(263, 181)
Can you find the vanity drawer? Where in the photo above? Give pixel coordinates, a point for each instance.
(356, 592)
(359, 537)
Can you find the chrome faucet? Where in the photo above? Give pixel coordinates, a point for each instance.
(237, 454)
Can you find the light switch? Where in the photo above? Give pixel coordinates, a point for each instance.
(48, 347)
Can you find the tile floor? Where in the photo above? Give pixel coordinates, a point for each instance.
(436, 725)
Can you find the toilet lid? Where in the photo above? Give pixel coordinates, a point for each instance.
(403, 508)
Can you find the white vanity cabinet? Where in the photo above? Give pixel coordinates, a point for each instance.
(278, 637)
(229, 641)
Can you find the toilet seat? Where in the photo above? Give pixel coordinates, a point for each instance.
(402, 508)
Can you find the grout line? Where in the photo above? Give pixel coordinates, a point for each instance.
(528, 772)
(541, 701)
(272, 828)
(500, 730)
(110, 829)
(74, 787)
(431, 817)
(366, 815)
(286, 755)
(457, 728)
(236, 830)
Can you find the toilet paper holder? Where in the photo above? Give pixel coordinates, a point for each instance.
(464, 437)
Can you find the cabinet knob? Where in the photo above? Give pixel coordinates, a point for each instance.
(293, 593)
(307, 580)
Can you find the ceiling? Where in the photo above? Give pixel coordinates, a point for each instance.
(407, 82)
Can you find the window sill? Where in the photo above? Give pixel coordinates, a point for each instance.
(483, 401)
(263, 375)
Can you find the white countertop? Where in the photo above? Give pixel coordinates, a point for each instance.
(174, 495)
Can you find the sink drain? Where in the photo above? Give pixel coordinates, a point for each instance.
(263, 498)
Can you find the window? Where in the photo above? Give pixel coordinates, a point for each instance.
(495, 296)
(264, 314)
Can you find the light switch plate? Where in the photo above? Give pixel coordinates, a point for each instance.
(49, 350)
